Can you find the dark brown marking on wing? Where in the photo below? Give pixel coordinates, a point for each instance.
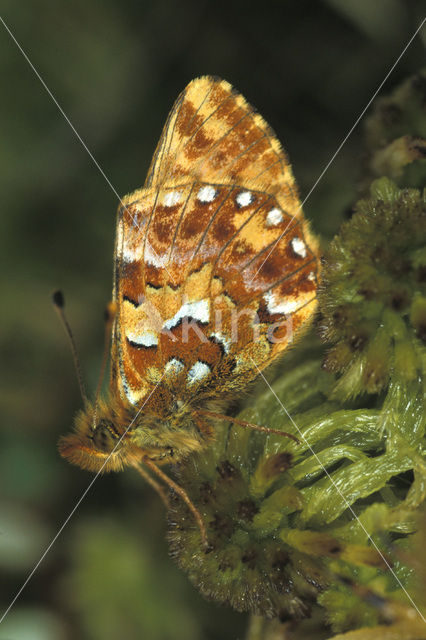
(179, 222)
(131, 280)
(132, 302)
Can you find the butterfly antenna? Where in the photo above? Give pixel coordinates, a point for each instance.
(109, 315)
(59, 304)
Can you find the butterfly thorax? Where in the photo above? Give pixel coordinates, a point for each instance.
(114, 434)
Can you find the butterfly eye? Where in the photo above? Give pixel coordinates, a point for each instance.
(105, 437)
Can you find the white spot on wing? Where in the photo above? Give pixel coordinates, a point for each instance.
(199, 310)
(173, 367)
(207, 194)
(274, 217)
(283, 305)
(128, 247)
(171, 198)
(311, 276)
(299, 247)
(224, 340)
(130, 238)
(244, 198)
(198, 372)
(131, 252)
(151, 257)
(145, 339)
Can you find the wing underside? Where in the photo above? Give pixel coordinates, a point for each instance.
(216, 270)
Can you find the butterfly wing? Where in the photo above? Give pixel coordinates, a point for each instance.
(216, 269)
(213, 135)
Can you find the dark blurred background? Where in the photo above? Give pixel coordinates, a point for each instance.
(309, 67)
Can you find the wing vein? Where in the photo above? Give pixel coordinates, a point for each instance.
(240, 155)
(267, 168)
(221, 103)
(234, 235)
(205, 157)
(286, 277)
(179, 223)
(159, 154)
(203, 237)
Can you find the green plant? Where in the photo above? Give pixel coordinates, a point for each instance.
(322, 528)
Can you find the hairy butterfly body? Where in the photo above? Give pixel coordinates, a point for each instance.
(215, 272)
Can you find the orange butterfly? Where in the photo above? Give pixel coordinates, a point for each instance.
(215, 271)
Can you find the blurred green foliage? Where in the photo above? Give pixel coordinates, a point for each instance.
(133, 595)
(310, 68)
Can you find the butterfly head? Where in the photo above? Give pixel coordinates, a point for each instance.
(97, 442)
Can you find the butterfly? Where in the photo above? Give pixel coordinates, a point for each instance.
(215, 272)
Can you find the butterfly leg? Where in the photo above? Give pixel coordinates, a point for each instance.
(181, 492)
(204, 428)
(155, 485)
(247, 425)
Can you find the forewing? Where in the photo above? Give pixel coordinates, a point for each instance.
(213, 135)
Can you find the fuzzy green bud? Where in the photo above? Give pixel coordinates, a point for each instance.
(287, 521)
(374, 290)
(395, 135)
